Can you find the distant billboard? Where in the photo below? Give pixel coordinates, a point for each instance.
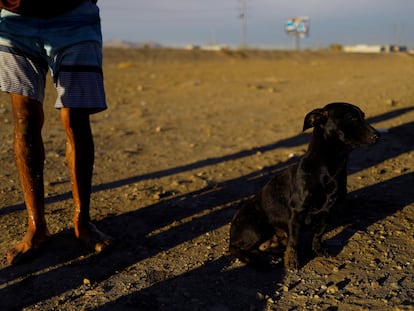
(298, 26)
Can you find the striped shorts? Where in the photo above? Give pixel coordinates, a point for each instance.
(70, 45)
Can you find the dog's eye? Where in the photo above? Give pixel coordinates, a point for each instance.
(353, 118)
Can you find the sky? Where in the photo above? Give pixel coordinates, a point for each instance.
(177, 23)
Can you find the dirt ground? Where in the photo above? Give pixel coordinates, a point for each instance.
(187, 137)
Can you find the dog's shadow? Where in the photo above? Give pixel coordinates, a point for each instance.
(367, 206)
(212, 286)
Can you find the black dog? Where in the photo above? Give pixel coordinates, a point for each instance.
(302, 196)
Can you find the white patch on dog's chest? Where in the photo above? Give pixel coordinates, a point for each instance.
(328, 193)
(330, 189)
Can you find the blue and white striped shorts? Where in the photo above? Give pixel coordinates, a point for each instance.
(70, 45)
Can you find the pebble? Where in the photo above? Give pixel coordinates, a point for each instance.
(391, 102)
(332, 289)
(374, 284)
(394, 285)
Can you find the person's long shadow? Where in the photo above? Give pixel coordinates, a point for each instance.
(208, 209)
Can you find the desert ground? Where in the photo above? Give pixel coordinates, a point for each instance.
(190, 135)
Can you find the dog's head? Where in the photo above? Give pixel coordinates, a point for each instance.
(342, 121)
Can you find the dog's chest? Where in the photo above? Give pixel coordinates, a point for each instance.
(328, 185)
(322, 196)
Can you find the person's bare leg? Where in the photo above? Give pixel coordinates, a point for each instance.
(29, 155)
(80, 158)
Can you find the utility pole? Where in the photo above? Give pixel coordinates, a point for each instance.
(243, 17)
(398, 33)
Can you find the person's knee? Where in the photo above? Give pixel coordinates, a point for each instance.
(76, 121)
(27, 114)
(78, 132)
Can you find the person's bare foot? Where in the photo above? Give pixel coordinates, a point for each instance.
(28, 246)
(93, 238)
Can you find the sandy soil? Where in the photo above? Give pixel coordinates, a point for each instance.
(188, 136)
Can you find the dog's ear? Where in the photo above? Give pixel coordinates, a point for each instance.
(315, 117)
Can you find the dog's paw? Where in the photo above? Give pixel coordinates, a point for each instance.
(291, 260)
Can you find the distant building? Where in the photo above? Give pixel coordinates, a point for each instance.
(364, 48)
(214, 47)
(394, 48)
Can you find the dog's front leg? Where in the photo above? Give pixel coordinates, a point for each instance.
(291, 256)
(318, 231)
